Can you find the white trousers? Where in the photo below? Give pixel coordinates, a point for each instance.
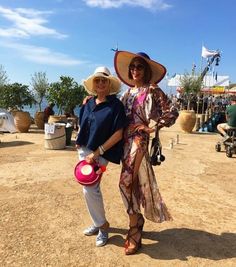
(93, 194)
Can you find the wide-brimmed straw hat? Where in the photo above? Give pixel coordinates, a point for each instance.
(122, 60)
(105, 73)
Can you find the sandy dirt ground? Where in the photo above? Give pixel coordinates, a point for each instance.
(43, 212)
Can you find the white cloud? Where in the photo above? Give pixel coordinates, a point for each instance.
(149, 4)
(26, 23)
(42, 55)
(13, 32)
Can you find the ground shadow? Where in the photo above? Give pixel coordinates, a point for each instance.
(180, 243)
(205, 133)
(71, 146)
(181, 144)
(36, 131)
(224, 152)
(14, 143)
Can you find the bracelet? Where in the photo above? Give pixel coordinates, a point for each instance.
(101, 151)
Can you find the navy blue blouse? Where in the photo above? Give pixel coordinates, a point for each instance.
(99, 122)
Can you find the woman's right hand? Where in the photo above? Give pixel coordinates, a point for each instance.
(92, 157)
(141, 127)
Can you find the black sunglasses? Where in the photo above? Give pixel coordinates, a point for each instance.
(137, 67)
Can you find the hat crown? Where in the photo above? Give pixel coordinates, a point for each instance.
(103, 70)
(142, 54)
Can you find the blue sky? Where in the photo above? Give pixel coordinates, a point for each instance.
(72, 37)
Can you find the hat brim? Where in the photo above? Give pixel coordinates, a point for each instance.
(114, 84)
(122, 60)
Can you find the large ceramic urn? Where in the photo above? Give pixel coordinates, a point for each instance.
(22, 121)
(187, 120)
(39, 119)
(57, 118)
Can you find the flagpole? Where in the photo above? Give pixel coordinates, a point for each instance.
(201, 65)
(201, 59)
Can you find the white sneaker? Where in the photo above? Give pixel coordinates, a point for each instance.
(101, 238)
(91, 230)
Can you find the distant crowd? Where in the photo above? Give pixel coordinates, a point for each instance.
(201, 103)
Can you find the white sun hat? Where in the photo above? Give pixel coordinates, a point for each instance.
(104, 73)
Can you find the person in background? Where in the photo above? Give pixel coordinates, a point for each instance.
(230, 118)
(143, 101)
(101, 122)
(48, 111)
(72, 118)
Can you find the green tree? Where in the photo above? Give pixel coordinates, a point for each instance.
(66, 94)
(3, 81)
(15, 96)
(3, 76)
(40, 86)
(191, 86)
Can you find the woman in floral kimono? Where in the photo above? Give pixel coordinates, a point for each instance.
(143, 101)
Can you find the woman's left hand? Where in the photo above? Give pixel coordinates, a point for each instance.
(144, 128)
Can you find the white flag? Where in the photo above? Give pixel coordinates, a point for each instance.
(208, 53)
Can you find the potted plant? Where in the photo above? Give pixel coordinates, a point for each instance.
(14, 97)
(39, 87)
(191, 86)
(75, 97)
(66, 94)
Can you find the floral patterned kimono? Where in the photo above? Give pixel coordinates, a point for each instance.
(141, 106)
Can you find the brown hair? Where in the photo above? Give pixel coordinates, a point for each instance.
(147, 70)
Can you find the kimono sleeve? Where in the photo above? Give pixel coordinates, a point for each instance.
(163, 111)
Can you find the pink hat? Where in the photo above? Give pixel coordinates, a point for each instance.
(85, 173)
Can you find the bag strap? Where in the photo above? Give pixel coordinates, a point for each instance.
(156, 132)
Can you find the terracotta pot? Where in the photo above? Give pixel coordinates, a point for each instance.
(187, 120)
(39, 119)
(57, 118)
(22, 121)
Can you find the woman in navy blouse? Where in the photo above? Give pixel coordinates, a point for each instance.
(101, 122)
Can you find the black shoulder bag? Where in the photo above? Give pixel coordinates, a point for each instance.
(156, 156)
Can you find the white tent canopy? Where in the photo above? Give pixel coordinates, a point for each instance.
(7, 123)
(208, 81)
